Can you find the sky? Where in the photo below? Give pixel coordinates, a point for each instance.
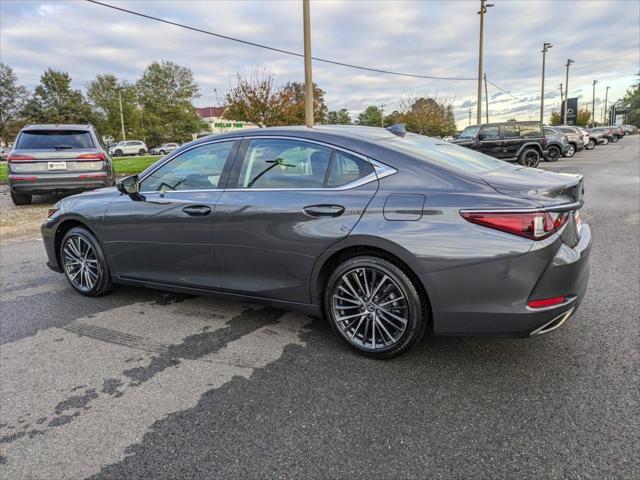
(424, 37)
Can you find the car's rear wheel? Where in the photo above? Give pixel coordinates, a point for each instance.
(571, 151)
(530, 158)
(374, 306)
(84, 264)
(605, 140)
(21, 198)
(162, 152)
(118, 153)
(553, 153)
(141, 152)
(591, 144)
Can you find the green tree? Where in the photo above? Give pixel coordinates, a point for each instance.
(12, 100)
(54, 101)
(340, 117)
(555, 118)
(165, 93)
(583, 118)
(631, 103)
(103, 96)
(370, 116)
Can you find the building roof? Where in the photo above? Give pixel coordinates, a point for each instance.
(208, 112)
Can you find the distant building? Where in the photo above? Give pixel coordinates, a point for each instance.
(214, 116)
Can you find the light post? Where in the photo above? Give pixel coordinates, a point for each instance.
(308, 80)
(606, 98)
(593, 105)
(566, 90)
(124, 135)
(545, 48)
(483, 10)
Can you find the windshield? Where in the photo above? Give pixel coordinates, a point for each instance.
(54, 140)
(469, 132)
(446, 154)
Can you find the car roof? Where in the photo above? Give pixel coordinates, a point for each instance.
(58, 126)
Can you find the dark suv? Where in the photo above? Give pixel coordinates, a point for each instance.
(57, 159)
(523, 142)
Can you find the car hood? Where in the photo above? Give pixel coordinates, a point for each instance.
(547, 188)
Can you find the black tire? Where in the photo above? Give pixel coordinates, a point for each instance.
(21, 198)
(401, 336)
(79, 237)
(591, 144)
(117, 153)
(571, 151)
(553, 153)
(141, 152)
(530, 157)
(614, 139)
(162, 152)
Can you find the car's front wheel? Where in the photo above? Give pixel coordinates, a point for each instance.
(141, 152)
(21, 198)
(374, 306)
(118, 153)
(571, 151)
(530, 158)
(591, 145)
(84, 263)
(553, 153)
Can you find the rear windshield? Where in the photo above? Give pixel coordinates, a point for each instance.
(446, 154)
(54, 140)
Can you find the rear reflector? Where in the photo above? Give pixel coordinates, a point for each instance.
(20, 158)
(547, 302)
(92, 156)
(91, 176)
(16, 178)
(533, 225)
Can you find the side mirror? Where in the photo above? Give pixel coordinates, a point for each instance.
(481, 137)
(129, 186)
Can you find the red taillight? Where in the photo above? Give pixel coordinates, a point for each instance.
(92, 157)
(533, 225)
(19, 178)
(92, 175)
(546, 302)
(19, 158)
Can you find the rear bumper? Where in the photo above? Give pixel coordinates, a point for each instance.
(490, 299)
(46, 183)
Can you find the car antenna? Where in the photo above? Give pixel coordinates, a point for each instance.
(398, 129)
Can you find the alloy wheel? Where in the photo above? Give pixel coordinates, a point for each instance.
(571, 151)
(80, 263)
(370, 308)
(531, 159)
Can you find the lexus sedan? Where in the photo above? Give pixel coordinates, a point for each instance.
(386, 234)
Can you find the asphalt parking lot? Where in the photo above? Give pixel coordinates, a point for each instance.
(145, 384)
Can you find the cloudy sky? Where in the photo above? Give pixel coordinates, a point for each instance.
(437, 38)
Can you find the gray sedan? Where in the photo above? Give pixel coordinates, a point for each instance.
(384, 233)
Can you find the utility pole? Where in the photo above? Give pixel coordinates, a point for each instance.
(381, 107)
(606, 98)
(593, 105)
(486, 97)
(545, 48)
(308, 80)
(483, 10)
(469, 116)
(124, 135)
(566, 91)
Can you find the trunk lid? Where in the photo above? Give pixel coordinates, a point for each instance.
(55, 161)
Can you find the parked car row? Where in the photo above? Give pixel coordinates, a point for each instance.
(164, 149)
(530, 142)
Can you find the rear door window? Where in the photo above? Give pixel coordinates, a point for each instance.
(346, 169)
(55, 140)
(511, 131)
(530, 130)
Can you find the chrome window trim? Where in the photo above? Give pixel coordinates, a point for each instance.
(380, 170)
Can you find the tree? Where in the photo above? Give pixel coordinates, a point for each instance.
(165, 92)
(54, 101)
(631, 103)
(583, 118)
(425, 116)
(291, 102)
(370, 116)
(12, 100)
(103, 96)
(340, 117)
(555, 118)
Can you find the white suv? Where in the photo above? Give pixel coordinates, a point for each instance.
(128, 147)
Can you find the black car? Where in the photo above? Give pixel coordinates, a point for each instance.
(523, 142)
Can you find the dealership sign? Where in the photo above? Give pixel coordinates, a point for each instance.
(572, 111)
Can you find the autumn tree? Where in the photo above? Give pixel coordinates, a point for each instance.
(12, 100)
(291, 104)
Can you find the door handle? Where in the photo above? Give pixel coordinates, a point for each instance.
(324, 210)
(197, 210)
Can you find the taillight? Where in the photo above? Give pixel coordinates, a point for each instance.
(533, 225)
(92, 157)
(546, 302)
(19, 158)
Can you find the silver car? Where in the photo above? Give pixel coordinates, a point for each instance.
(57, 159)
(164, 149)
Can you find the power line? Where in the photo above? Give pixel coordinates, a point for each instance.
(275, 49)
(508, 93)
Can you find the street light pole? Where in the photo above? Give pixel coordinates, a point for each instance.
(545, 48)
(308, 80)
(566, 90)
(486, 98)
(469, 116)
(606, 98)
(483, 10)
(593, 105)
(124, 136)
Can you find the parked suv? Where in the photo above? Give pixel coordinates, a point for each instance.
(164, 149)
(557, 144)
(128, 147)
(57, 158)
(511, 141)
(576, 140)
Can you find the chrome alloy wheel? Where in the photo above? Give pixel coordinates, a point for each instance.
(80, 263)
(370, 308)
